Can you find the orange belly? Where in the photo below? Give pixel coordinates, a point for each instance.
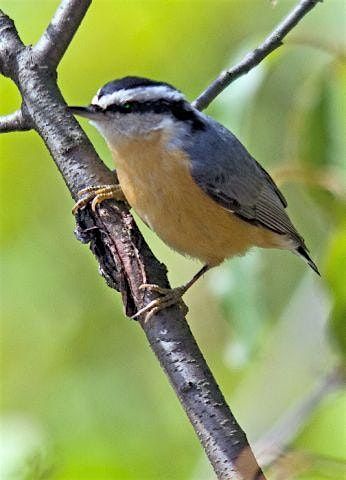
(158, 185)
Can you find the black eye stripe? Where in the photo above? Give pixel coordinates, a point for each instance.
(96, 108)
(157, 106)
(180, 110)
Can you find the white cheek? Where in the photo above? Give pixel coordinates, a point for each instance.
(107, 130)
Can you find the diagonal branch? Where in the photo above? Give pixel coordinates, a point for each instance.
(53, 44)
(276, 441)
(14, 122)
(125, 260)
(252, 59)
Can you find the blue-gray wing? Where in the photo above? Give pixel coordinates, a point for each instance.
(224, 169)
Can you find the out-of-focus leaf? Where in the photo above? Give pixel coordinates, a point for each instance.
(239, 302)
(72, 364)
(327, 418)
(323, 142)
(335, 275)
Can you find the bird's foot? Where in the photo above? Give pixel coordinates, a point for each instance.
(169, 297)
(96, 195)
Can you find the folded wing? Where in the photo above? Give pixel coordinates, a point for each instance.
(233, 178)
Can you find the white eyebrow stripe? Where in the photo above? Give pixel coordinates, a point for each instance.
(140, 94)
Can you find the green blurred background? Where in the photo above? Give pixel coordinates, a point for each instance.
(82, 396)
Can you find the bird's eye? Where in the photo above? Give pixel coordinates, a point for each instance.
(127, 106)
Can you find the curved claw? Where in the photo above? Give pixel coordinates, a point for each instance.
(169, 297)
(97, 194)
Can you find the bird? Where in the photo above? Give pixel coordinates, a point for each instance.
(187, 177)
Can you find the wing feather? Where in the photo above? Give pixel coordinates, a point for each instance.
(225, 170)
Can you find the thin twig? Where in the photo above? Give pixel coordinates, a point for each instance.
(275, 442)
(125, 260)
(253, 58)
(14, 122)
(52, 45)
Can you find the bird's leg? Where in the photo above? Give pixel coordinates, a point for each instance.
(98, 194)
(169, 296)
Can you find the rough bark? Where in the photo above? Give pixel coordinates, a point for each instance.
(125, 261)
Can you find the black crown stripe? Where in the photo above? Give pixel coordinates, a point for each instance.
(128, 83)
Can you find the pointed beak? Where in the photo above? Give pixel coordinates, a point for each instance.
(91, 112)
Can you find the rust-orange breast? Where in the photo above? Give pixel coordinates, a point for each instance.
(158, 185)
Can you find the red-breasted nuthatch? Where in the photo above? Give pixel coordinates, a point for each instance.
(188, 177)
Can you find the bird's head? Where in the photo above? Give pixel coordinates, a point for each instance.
(134, 107)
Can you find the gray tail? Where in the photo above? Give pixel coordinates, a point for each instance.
(303, 252)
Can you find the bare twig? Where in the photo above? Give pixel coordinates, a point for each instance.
(275, 442)
(252, 59)
(59, 33)
(296, 463)
(125, 260)
(14, 122)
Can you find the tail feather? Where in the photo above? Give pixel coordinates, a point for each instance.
(303, 252)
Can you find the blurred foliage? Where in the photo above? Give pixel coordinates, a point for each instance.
(81, 395)
(336, 262)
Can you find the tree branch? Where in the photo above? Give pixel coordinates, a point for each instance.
(10, 45)
(276, 441)
(52, 45)
(14, 122)
(252, 59)
(125, 260)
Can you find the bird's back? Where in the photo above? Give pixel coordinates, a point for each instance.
(224, 170)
